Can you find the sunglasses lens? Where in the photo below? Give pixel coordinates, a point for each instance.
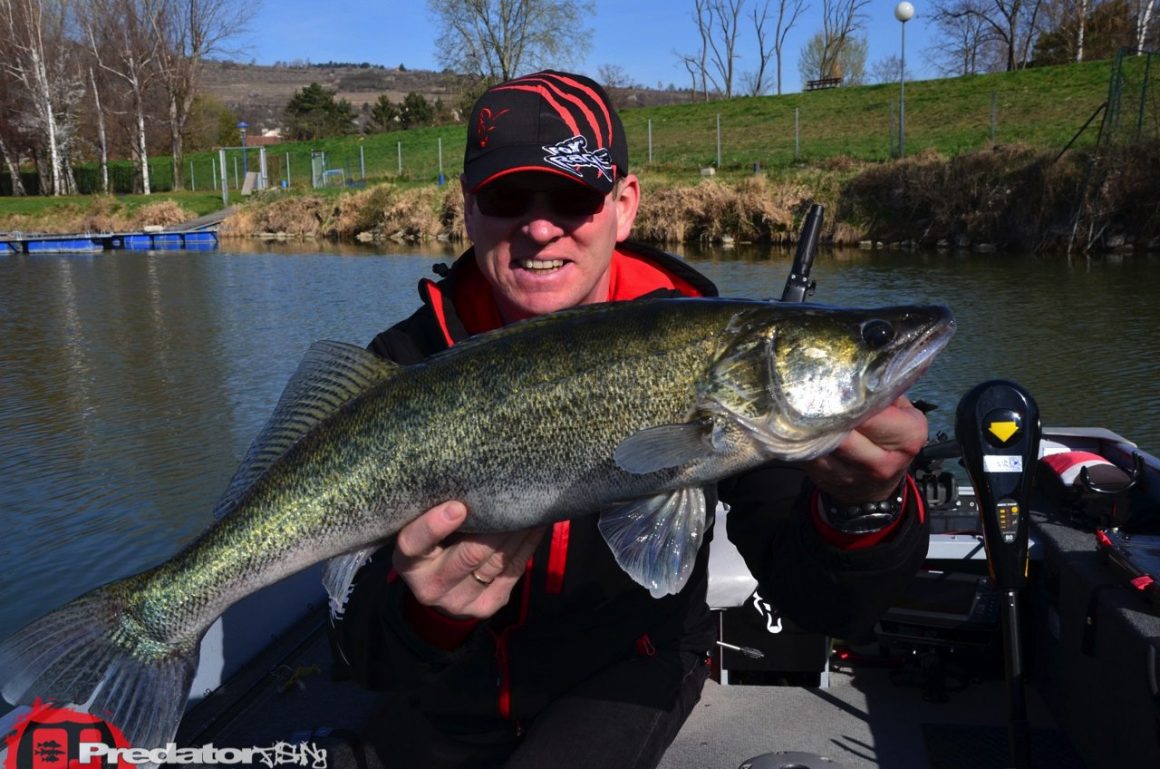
(503, 202)
(579, 202)
(511, 202)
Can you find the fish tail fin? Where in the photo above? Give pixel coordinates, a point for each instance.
(92, 656)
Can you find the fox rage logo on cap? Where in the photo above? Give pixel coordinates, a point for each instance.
(50, 737)
(550, 122)
(573, 156)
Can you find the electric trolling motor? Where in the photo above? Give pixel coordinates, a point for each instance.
(997, 429)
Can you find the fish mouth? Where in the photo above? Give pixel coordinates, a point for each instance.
(905, 369)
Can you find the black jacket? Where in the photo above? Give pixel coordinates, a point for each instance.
(575, 611)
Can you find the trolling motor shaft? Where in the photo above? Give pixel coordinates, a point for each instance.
(997, 428)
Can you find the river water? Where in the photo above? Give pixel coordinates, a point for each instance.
(132, 382)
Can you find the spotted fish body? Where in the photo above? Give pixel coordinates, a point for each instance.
(626, 410)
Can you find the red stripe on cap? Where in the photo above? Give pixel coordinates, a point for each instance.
(561, 110)
(603, 137)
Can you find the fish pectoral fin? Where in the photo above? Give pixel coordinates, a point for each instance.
(658, 448)
(656, 539)
(338, 578)
(330, 375)
(799, 451)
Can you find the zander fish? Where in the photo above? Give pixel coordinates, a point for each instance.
(626, 410)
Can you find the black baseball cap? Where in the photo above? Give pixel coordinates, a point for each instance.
(551, 122)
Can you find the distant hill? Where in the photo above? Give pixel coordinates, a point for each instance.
(259, 92)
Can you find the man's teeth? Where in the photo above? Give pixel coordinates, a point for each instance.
(541, 264)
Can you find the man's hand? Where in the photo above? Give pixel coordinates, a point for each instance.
(870, 464)
(465, 576)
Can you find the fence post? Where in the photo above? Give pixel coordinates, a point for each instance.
(362, 161)
(287, 169)
(994, 114)
(650, 141)
(892, 130)
(237, 185)
(400, 147)
(224, 179)
(718, 141)
(797, 134)
(439, 145)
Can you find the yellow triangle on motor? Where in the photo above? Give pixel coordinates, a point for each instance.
(1003, 430)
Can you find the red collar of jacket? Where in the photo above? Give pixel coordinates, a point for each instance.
(634, 274)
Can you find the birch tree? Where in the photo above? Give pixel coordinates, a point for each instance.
(33, 32)
(121, 36)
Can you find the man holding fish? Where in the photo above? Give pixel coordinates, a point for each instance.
(533, 648)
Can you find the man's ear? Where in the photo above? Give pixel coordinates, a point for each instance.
(469, 208)
(627, 201)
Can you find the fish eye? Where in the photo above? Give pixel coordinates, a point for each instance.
(877, 333)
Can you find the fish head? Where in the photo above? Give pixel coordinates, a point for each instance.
(799, 378)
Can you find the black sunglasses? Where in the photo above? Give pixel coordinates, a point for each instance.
(512, 201)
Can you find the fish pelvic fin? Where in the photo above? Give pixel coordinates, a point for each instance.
(330, 375)
(656, 539)
(86, 657)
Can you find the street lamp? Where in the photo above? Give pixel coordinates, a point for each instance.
(904, 12)
(241, 127)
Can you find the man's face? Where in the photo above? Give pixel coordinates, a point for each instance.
(545, 243)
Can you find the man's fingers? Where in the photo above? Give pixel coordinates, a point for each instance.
(510, 556)
(422, 537)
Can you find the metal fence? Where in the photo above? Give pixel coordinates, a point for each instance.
(1133, 111)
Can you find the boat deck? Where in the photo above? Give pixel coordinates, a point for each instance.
(869, 716)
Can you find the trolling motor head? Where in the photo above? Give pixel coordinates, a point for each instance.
(997, 428)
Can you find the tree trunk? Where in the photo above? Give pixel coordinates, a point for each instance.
(102, 137)
(13, 168)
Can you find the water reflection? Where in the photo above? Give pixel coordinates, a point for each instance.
(131, 383)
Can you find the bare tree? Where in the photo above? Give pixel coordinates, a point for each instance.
(1012, 23)
(841, 19)
(102, 135)
(499, 39)
(888, 69)
(788, 12)
(188, 31)
(964, 45)
(718, 25)
(122, 39)
(35, 54)
(697, 63)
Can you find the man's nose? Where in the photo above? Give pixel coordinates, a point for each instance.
(541, 223)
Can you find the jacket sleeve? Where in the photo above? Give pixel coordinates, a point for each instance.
(386, 640)
(839, 590)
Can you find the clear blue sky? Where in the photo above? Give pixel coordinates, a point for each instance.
(640, 36)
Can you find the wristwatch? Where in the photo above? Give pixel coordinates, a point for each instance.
(862, 517)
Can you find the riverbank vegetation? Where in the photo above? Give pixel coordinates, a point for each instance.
(983, 168)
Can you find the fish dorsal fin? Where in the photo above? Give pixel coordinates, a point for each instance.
(330, 375)
(656, 539)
